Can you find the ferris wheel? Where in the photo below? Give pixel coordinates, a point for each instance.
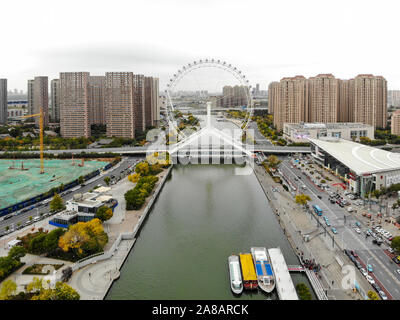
(209, 63)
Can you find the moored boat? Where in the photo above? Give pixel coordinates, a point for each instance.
(248, 272)
(235, 274)
(264, 270)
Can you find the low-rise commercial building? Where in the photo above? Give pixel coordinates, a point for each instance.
(363, 168)
(301, 132)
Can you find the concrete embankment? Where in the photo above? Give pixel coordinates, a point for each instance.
(94, 276)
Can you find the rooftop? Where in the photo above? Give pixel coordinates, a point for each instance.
(359, 158)
(331, 125)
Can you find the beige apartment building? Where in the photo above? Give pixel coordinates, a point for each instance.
(323, 98)
(139, 103)
(233, 96)
(74, 104)
(97, 88)
(370, 100)
(346, 101)
(395, 123)
(120, 104)
(55, 100)
(151, 101)
(289, 100)
(41, 99)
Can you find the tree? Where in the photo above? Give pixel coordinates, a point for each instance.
(62, 291)
(396, 244)
(81, 180)
(84, 238)
(273, 161)
(107, 180)
(16, 252)
(8, 289)
(142, 168)
(57, 203)
(302, 199)
(134, 178)
(372, 295)
(303, 291)
(104, 213)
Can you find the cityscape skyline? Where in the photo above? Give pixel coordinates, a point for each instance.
(112, 47)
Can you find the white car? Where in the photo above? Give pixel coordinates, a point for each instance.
(383, 295)
(364, 272)
(357, 230)
(369, 278)
(350, 209)
(398, 271)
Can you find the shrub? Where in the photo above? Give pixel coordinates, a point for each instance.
(303, 292)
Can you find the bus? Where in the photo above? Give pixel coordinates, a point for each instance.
(317, 210)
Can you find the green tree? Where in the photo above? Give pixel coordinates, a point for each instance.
(396, 244)
(57, 203)
(303, 291)
(16, 252)
(81, 180)
(104, 213)
(8, 289)
(107, 180)
(273, 161)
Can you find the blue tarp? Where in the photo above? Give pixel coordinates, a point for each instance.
(268, 268)
(259, 269)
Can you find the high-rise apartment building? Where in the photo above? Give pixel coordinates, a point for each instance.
(346, 101)
(156, 102)
(289, 100)
(55, 100)
(97, 87)
(370, 100)
(30, 96)
(151, 101)
(395, 123)
(74, 104)
(120, 104)
(323, 98)
(393, 98)
(273, 96)
(41, 99)
(3, 101)
(139, 103)
(235, 96)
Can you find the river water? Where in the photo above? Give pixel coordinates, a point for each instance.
(204, 213)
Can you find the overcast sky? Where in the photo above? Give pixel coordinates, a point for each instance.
(265, 39)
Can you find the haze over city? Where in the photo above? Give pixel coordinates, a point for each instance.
(267, 40)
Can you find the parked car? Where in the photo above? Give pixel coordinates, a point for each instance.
(364, 272)
(350, 209)
(358, 224)
(370, 279)
(383, 295)
(369, 268)
(357, 230)
(376, 287)
(358, 265)
(353, 253)
(334, 230)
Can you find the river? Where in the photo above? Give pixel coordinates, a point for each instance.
(203, 214)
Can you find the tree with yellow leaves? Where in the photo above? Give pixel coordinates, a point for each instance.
(8, 289)
(134, 178)
(84, 238)
(302, 199)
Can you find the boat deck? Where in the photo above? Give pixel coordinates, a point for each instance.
(283, 280)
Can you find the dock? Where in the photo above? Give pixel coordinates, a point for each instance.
(283, 280)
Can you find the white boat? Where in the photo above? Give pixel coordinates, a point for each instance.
(264, 270)
(235, 274)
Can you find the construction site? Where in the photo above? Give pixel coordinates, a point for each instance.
(25, 179)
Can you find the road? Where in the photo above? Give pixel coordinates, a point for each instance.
(24, 217)
(369, 253)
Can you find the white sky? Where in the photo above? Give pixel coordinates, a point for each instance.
(265, 39)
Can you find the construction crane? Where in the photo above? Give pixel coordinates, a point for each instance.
(40, 115)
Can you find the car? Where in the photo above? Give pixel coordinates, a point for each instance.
(35, 219)
(347, 252)
(358, 224)
(353, 253)
(358, 265)
(373, 234)
(327, 222)
(396, 259)
(376, 287)
(376, 241)
(390, 238)
(390, 250)
(334, 230)
(357, 230)
(319, 197)
(369, 268)
(304, 187)
(352, 259)
(398, 271)
(383, 295)
(364, 272)
(350, 209)
(370, 279)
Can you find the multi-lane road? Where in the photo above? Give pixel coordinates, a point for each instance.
(22, 218)
(385, 270)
